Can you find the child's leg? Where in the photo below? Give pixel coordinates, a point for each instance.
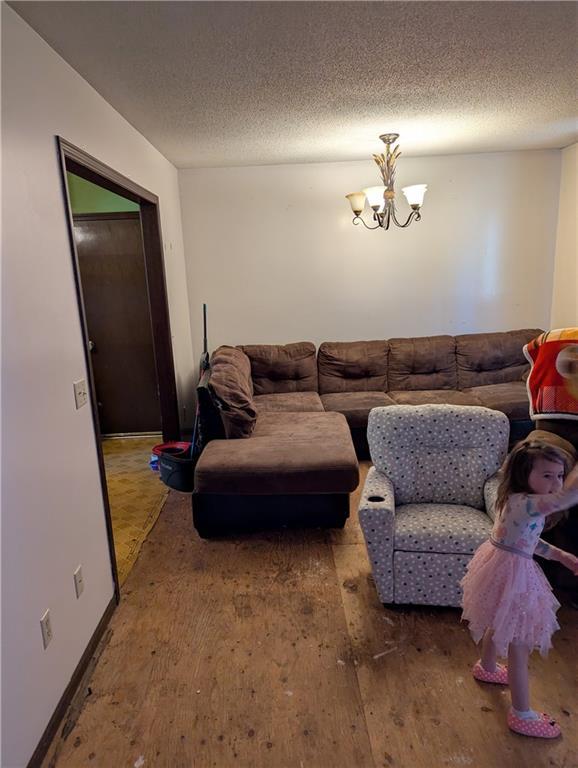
(521, 719)
(518, 655)
(489, 656)
(487, 670)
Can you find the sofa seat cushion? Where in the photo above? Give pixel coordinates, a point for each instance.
(441, 528)
(511, 398)
(288, 401)
(434, 396)
(288, 453)
(355, 406)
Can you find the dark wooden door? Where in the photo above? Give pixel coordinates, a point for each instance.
(114, 288)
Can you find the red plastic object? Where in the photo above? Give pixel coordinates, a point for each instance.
(158, 449)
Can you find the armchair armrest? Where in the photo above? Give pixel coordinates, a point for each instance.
(377, 520)
(378, 493)
(491, 494)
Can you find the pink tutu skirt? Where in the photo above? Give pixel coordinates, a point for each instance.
(509, 593)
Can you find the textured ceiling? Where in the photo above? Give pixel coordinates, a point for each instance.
(247, 83)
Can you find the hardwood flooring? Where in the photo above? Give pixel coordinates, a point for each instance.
(272, 651)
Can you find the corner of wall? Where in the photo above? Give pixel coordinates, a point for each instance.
(564, 309)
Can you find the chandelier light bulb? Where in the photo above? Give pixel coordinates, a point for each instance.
(375, 197)
(356, 201)
(415, 194)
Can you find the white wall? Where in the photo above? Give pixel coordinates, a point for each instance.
(565, 293)
(274, 254)
(52, 509)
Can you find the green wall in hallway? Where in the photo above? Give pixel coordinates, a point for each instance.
(86, 197)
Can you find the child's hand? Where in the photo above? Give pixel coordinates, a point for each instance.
(569, 561)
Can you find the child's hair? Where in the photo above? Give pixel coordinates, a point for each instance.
(518, 465)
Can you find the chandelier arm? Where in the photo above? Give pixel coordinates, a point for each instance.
(358, 219)
(413, 215)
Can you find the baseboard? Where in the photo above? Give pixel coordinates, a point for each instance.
(68, 695)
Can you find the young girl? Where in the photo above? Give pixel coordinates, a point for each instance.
(507, 600)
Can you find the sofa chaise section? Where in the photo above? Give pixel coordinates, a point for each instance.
(295, 465)
(295, 469)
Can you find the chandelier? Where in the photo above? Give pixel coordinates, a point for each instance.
(382, 199)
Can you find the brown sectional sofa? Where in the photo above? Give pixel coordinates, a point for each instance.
(302, 412)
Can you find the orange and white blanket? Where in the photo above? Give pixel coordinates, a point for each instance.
(553, 381)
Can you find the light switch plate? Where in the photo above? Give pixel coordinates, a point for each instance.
(80, 393)
(46, 628)
(78, 581)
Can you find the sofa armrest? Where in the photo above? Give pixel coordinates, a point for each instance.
(491, 494)
(377, 520)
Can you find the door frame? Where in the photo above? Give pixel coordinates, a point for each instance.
(75, 160)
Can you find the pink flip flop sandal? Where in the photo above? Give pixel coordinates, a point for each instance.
(500, 676)
(544, 728)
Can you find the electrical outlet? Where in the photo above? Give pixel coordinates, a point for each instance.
(80, 393)
(78, 581)
(46, 627)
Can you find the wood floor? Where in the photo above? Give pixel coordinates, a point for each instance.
(273, 651)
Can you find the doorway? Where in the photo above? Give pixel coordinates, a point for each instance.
(117, 257)
(111, 263)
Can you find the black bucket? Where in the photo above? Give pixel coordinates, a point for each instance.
(177, 469)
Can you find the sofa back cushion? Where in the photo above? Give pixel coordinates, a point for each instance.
(427, 362)
(352, 366)
(440, 454)
(279, 368)
(231, 388)
(492, 358)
